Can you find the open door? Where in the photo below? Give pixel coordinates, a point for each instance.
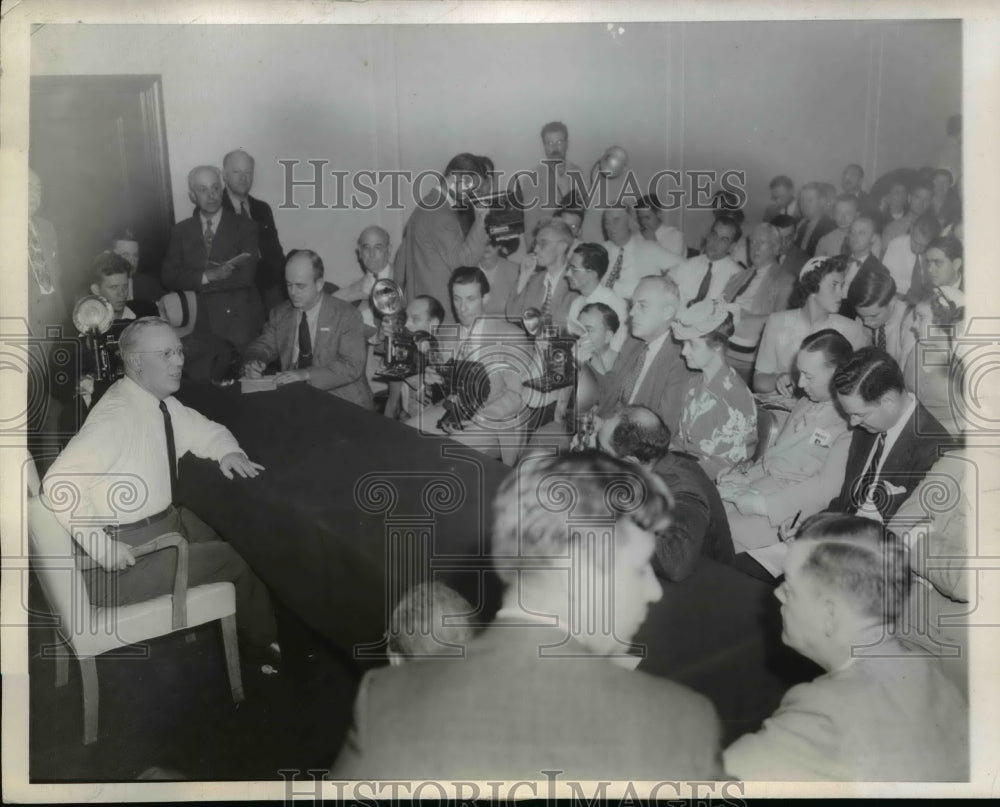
(99, 146)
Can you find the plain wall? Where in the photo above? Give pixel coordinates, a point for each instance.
(797, 98)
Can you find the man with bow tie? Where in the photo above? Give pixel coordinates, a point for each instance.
(317, 338)
(215, 253)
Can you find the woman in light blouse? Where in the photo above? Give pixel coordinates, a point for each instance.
(803, 469)
(718, 425)
(821, 289)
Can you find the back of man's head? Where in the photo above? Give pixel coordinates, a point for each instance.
(640, 435)
(856, 558)
(429, 618)
(870, 373)
(535, 504)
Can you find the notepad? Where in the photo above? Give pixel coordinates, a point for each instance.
(258, 384)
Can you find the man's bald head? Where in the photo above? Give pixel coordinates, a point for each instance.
(636, 434)
(654, 305)
(237, 171)
(205, 188)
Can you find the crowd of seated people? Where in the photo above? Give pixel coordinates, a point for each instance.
(773, 381)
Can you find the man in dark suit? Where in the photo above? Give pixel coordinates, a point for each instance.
(215, 253)
(861, 241)
(815, 222)
(897, 442)
(237, 171)
(537, 691)
(783, 201)
(649, 370)
(317, 338)
(698, 525)
(548, 288)
(791, 258)
(435, 242)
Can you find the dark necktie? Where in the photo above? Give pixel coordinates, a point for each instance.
(744, 285)
(244, 211)
(612, 277)
(168, 428)
(706, 281)
(305, 345)
(845, 246)
(547, 302)
(880, 337)
(868, 479)
(209, 236)
(632, 377)
(36, 260)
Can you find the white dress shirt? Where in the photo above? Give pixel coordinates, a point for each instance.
(654, 349)
(672, 240)
(899, 260)
(117, 464)
(312, 320)
(641, 258)
(689, 275)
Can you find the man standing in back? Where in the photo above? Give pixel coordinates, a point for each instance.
(215, 253)
(436, 241)
(237, 171)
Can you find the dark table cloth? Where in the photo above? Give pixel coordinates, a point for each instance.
(353, 508)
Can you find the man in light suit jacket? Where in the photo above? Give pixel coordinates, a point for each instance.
(882, 711)
(318, 338)
(204, 256)
(547, 289)
(897, 442)
(435, 242)
(503, 351)
(649, 370)
(534, 692)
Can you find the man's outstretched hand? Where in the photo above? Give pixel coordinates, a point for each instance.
(239, 463)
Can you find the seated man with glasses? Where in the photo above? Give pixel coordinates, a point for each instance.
(119, 476)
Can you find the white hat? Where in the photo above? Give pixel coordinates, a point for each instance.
(180, 310)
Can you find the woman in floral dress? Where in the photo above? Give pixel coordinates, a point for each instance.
(718, 425)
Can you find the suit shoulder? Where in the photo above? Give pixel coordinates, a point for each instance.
(340, 308)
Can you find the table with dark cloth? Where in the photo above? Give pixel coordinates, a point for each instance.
(347, 495)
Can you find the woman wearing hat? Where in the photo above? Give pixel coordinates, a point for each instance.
(802, 470)
(821, 289)
(718, 425)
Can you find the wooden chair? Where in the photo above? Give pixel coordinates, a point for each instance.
(92, 630)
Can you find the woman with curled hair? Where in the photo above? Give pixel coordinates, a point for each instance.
(804, 467)
(820, 290)
(718, 424)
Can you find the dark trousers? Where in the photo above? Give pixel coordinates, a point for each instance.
(210, 560)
